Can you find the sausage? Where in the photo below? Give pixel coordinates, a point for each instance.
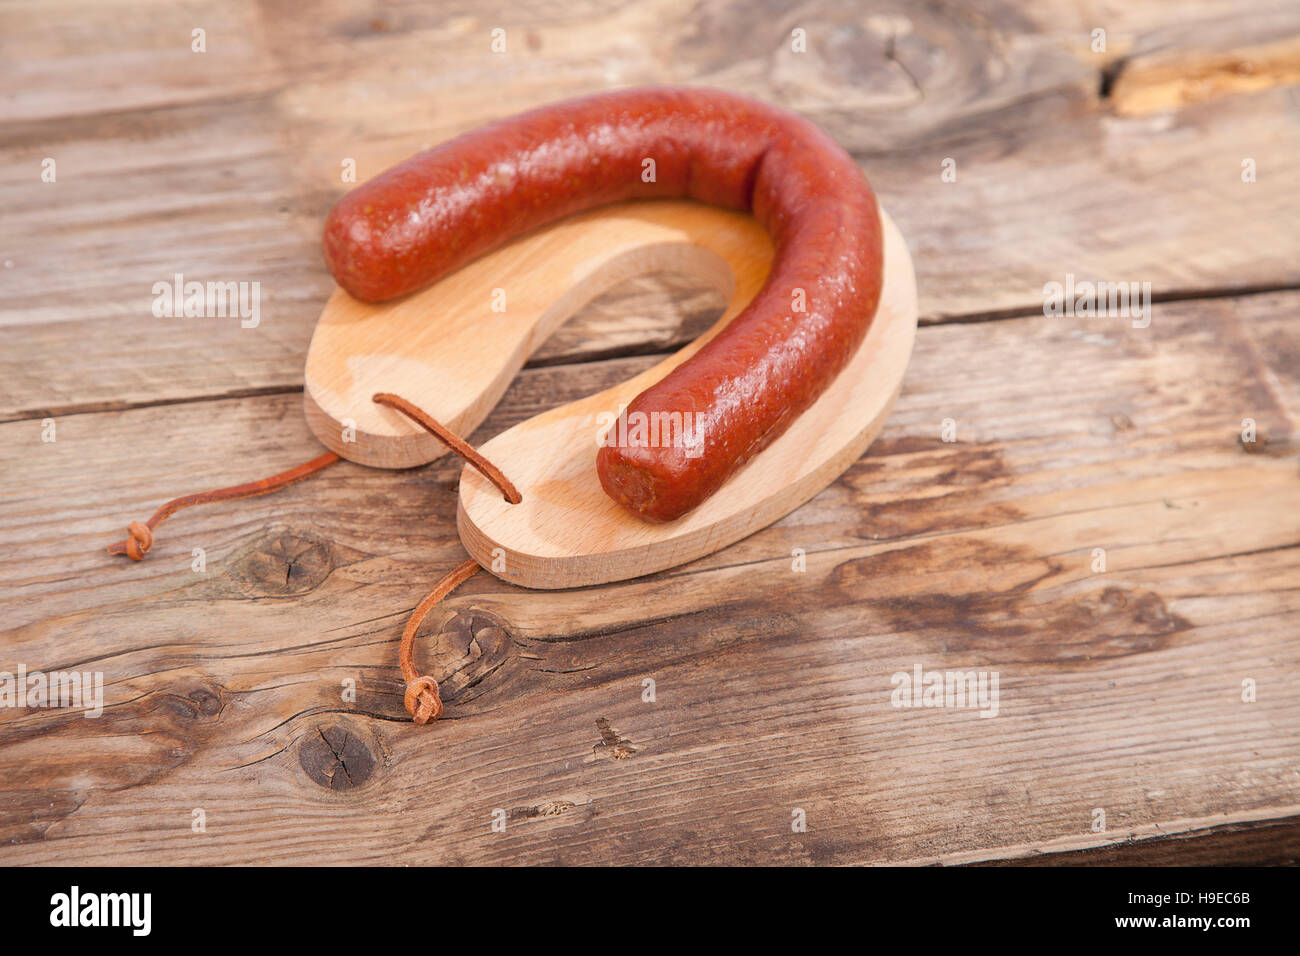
(440, 209)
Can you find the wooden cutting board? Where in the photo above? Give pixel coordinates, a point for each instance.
(454, 347)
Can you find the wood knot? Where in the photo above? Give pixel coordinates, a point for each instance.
(200, 703)
(1256, 447)
(470, 646)
(284, 563)
(337, 756)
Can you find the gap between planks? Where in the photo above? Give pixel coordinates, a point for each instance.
(613, 354)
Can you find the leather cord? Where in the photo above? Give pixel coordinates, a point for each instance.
(422, 699)
(423, 702)
(140, 536)
(449, 438)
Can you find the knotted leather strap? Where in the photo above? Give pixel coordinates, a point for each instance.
(422, 699)
(140, 536)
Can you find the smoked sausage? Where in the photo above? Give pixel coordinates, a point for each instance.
(442, 208)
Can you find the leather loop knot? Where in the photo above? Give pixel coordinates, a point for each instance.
(139, 540)
(422, 700)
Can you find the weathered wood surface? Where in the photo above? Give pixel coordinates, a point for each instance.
(1120, 690)
(221, 166)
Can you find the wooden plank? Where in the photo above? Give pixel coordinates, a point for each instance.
(223, 168)
(1267, 844)
(1120, 690)
(65, 59)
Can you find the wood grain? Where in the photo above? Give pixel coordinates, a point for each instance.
(452, 353)
(224, 688)
(221, 166)
(1119, 690)
(1276, 843)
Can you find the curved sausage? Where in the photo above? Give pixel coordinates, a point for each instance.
(431, 214)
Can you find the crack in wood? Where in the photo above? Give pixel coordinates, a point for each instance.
(611, 743)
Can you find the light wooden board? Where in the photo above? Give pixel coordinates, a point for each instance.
(454, 347)
(566, 532)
